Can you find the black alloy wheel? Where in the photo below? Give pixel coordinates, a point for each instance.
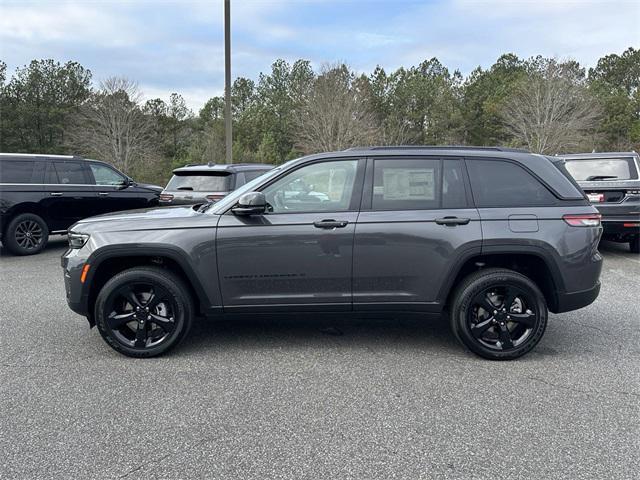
(502, 317)
(141, 315)
(498, 314)
(144, 311)
(26, 234)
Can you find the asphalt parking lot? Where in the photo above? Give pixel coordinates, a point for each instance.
(330, 398)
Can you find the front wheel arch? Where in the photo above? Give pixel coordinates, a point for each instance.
(108, 264)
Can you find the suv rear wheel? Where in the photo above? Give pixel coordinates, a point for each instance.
(634, 244)
(144, 311)
(26, 234)
(498, 314)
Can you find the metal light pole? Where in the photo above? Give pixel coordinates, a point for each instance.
(228, 142)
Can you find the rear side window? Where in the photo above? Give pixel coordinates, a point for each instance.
(71, 173)
(201, 182)
(18, 171)
(497, 183)
(418, 184)
(253, 174)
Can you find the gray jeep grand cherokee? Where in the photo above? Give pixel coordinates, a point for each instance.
(497, 236)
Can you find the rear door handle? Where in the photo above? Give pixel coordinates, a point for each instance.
(56, 194)
(330, 223)
(103, 194)
(452, 221)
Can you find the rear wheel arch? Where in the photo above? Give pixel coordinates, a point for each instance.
(26, 207)
(531, 264)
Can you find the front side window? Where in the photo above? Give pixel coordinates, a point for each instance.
(498, 183)
(105, 175)
(320, 187)
(69, 173)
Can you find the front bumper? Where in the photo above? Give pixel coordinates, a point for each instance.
(77, 298)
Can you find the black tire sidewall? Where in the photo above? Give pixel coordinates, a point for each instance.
(9, 237)
(481, 281)
(183, 316)
(634, 244)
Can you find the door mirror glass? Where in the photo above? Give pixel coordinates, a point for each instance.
(252, 203)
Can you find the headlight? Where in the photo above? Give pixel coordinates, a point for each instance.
(77, 240)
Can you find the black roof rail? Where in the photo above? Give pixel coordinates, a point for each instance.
(437, 147)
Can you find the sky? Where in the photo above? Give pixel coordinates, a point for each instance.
(177, 46)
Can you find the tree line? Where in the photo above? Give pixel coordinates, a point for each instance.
(542, 104)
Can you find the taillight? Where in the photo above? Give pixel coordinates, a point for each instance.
(215, 198)
(583, 220)
(166, 197)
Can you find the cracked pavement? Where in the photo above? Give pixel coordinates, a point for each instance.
(290, 398)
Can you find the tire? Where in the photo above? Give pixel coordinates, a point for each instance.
(634, 244)
(121, 305)
(26, 234)
(504, 329)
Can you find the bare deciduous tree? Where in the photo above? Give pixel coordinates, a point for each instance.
(335, 115)
(112, 127)
(551, 110)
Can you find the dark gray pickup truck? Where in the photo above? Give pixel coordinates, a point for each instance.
(499, 237)
(612, 183)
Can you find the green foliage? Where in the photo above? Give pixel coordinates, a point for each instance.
(422, 104)
(37, 103)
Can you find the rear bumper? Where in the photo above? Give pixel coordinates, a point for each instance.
(626, 226)
(575, 300)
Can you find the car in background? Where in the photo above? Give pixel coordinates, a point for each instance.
(194, 184)
(612, 184)
(45, 194)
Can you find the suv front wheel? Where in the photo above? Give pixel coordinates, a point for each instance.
(498, 314)
(144, 311)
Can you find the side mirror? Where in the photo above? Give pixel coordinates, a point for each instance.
(127, 182)
(252, 203)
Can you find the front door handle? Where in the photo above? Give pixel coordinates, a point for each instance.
(56, 194)
(452, 221)
(330, 223)
(103, 194)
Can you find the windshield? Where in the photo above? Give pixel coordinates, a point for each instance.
(232, 198)
(200, 182)
(601, 169)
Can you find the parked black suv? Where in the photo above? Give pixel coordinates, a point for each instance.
(612, 183)
(498, 236)
(194, 184)
(45, 194)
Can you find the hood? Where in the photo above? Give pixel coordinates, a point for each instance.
(144, 219)
(149, 186)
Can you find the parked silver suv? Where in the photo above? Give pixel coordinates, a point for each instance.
(208, 183)
(498, 236)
